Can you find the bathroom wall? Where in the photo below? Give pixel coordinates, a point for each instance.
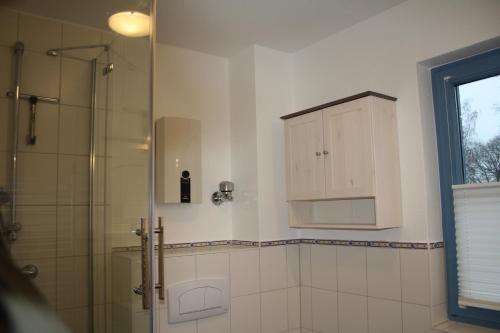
(377, 289)
(244, 145)
(381, 54)
(196, 85)
(261, 91)
(53, 173)
(264, 287)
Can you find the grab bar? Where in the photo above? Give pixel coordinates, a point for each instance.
(39, 98)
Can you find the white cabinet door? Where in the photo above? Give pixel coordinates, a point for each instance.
(349, 171)
(304, 157)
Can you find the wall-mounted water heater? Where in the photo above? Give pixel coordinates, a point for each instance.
(178, 160)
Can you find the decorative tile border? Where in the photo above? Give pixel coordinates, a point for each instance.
(244, 243)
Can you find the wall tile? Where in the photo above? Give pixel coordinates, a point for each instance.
(5, 160)
(72, 230)
(100, 245)
(352, 269)
(245, 314)
(179, 269)
(74, 128)
(416, 318)
(439, 314)
(37, 238)
(140, 321)
(353, 313)
(214, 265)
(7, 77)
(415, 279)
(244, 267)
(100, 178)
(306, 307)
(46, 128)
(75, 82)
(100, 133)
(220, 323)
(324, 266)
(76, 319)
(293, 307)
(273, 269)
(100, 279)
(324, 311)
(274, 311)
(384, 316)
(37, 179)
(46, 281)
(8, 27)
(73, 180)
(40, 74)
(305, 264)
(293, 265)
(76, 35)
(6, 111)
(384, 274)
(72, 282)
(437, 276)
(39, 34)
(100, 319)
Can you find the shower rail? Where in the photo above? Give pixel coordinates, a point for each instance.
(13, 227)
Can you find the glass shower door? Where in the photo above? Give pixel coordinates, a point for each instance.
(123, 244)
(83, 186)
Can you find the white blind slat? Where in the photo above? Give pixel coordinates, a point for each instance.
(477, 225)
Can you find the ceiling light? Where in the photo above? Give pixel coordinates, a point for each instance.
(130, 24)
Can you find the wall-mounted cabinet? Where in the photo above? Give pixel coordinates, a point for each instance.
(342, 164)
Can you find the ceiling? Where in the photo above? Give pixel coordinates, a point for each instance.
(223, 27)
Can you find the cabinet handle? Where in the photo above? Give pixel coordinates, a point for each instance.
(318, 153)
(325, 152)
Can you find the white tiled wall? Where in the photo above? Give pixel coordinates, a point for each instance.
(53, 173)
(262, 299)
(349, 289)
(267, 295)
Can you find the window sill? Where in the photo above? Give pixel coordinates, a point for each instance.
(456, 327)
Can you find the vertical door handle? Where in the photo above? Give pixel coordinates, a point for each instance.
(161, 260)
(144, 265)
(144, 289)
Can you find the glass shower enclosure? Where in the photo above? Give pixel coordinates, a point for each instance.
(76, 160)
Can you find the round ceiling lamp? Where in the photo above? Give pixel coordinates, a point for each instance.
(130, 24)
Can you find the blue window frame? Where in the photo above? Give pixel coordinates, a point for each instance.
(445, 80)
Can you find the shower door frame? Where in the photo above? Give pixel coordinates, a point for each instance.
(151, 174)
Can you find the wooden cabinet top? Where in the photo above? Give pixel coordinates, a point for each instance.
(338, 101)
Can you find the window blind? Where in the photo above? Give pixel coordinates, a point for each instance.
(477, 224)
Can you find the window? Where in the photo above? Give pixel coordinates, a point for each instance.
(467, 112)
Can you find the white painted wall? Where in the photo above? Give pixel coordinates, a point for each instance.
(244, 146)
(261, 90)
(390, 53)
(196, 85)
(273, 95)
(382, 54)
